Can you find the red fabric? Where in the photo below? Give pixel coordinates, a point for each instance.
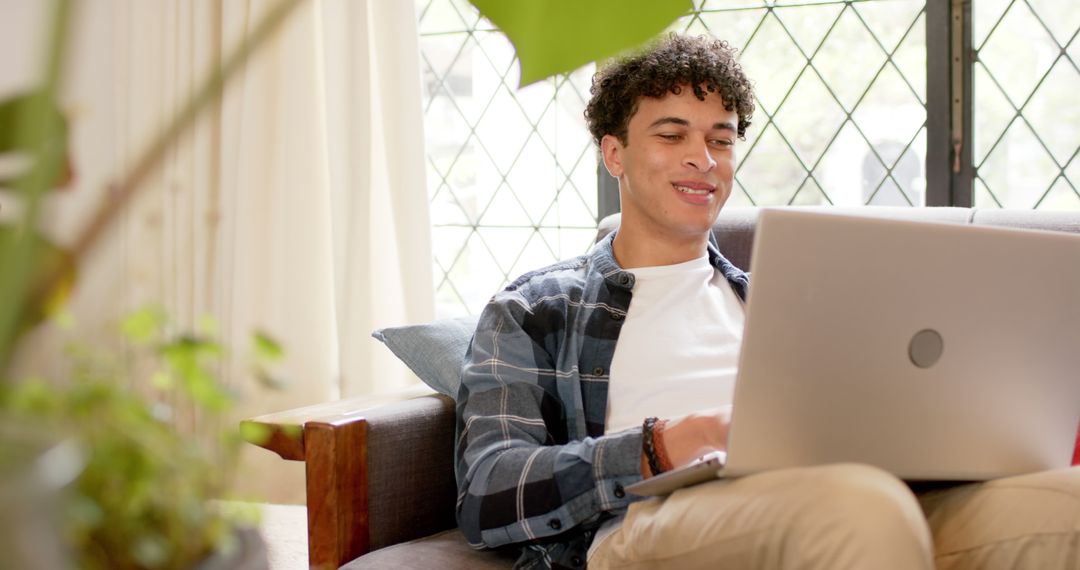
(1076, 451)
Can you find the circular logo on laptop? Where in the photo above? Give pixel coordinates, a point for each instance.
(925, 348)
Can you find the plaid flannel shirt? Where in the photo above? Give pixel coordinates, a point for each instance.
(534, 466)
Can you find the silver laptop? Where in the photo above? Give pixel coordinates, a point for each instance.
(934, 351)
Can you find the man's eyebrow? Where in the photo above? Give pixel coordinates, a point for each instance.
(725, 126)
(670, 121)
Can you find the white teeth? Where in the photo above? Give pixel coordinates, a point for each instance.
(686, 190)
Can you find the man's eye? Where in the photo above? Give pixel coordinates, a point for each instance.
(723, 142)
(671, 137)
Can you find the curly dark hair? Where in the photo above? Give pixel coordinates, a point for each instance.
(665, 66)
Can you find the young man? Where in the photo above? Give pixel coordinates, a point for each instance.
(573, 365)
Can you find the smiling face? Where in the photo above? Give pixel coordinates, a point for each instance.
(675, 173)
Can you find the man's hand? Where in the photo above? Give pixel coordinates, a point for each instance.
(691, 436)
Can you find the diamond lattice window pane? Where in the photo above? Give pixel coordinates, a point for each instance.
(888, 21)
(473, 180)
(890, 114)
(1019, 171)
(475, 274)
(809, 24)
(910, 57)
(983, 198)
(849, 59)
(534, 180)
(739, 196)
(505, 244)
(503, 131)
(770, 171)
(439, 16)
(447, 243)
(810, 117)
(1072, 171)
(536, 253)
(1018, 53)
(693, 26)
(773, 61)
(848, 185)
(727, 22)
(1025, 56)
(505, 210)
(993, 113)
(574, 241)
(810, 194)
(985, 15)
(572, 210)
(1060, 16)
(1054, 113)
(582, 179)
(445, 209)
(889, 194)
(1062, 196)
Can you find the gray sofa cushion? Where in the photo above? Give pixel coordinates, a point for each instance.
(446, 550)
(433, 351)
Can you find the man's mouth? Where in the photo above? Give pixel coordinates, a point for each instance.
(694, 188)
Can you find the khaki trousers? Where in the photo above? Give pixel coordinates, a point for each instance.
(852, 516)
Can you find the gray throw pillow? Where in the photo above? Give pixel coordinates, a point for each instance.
(434, 351)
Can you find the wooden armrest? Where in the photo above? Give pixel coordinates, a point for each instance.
(286, 429)
(333, 441)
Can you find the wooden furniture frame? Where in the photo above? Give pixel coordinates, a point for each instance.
(334, 439)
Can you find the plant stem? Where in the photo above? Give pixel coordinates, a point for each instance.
(119, 193)
(17, 255)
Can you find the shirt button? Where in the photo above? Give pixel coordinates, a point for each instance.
(575, 560)
(619, 492)
(616, 316)
(624, 279)
(555, 524)
(598, 371)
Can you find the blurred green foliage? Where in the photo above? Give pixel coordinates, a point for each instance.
(156, 452)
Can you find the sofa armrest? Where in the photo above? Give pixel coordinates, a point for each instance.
(379, 470)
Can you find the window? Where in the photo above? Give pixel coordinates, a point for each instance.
(1026, 112)
(841, 99)
(851, 95)
(511, 174)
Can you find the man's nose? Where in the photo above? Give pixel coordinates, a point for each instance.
(698, 156)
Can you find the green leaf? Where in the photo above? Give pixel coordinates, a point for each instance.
(559, 36)
(45, 256)
(162, 380)
(144, 325)
(268, 379)
(266, 348)
(51, 132)
(151, 550)
(207, 325)
(254, 433)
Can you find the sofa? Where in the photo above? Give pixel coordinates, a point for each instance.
(380, 475)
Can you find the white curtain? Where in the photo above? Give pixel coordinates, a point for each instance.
(298, 206)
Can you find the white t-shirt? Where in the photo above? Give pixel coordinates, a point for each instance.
(679, 346)
(678, 349)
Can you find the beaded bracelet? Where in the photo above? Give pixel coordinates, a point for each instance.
(648, 445)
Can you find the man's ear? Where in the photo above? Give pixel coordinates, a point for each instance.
(612, 152)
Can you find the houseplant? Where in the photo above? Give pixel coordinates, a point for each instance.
(138, 477)
(136, 454)
(147, 473)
